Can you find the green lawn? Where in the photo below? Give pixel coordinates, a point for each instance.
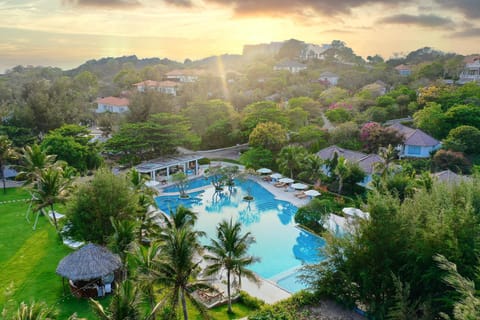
(29, 258)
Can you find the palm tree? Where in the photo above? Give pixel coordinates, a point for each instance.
(290, 157)
(125, 304)
(7, 153)
(32, 311)
(120, 242)
(313, 168)
(229, 251)
(50, 187)
(32, 160)
(143, 258)
(389, 156)
(341, 171)
(175, 268)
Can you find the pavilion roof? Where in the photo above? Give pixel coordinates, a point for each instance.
(89, 262)
(165, 162)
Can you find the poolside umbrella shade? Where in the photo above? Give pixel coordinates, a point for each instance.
(299, 186)
(90, 262)
(286, 180)
(151, 183)
(354, 212)
(312, 193)
(264, 171)
(276, 176)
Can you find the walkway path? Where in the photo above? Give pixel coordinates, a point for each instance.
(326, 123)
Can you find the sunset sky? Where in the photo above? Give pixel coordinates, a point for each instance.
(66, 33)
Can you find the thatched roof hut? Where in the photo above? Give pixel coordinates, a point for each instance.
(89, 262)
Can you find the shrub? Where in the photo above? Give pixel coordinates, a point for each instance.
(204, 161)
(249, 301)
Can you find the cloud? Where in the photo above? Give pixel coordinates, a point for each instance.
(180, 3)
(302, 7)
(467, 33)
(470, 8)
(104, 3)
(422, 20)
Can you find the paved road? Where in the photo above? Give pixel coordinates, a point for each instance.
(326, 123)
(225, 153)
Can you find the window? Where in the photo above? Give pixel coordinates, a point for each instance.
(414, 149)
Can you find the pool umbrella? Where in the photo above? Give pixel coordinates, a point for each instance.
(286, 180)
(354, 212)
(312, 193)
(299, 186)
(90, 262)
(264, 171)
(276, 176)
(151, 183)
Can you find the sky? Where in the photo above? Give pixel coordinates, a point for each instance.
(66, 33)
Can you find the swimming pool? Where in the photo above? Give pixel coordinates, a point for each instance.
(281, 246)
(192, 184)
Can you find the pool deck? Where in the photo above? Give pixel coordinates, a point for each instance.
(265, 290)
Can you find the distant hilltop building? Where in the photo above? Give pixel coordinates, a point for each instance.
(403, 70)
(252, 50)
(184, 75)
(309, 51)
(328, 78)
(313, 51)
(290, 66)
(168, 87)
(112, 104)
(471, 72)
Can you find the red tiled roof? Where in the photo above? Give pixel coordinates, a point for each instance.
(471, 59)
(114, 101)
(402, 67)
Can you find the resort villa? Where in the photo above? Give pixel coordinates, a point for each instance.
(364, 161)
(112, 104)
(290, 66)
(416, 143)
(167, 87)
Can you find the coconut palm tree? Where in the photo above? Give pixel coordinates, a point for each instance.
(7, 153)
(125, 304)
(229, 251)
(312, 167)
(50, 187)
(341, 171)
(31, 311)
(289, 158)
(143, 258)
(32, 160)
(389, 156)
(175, 268)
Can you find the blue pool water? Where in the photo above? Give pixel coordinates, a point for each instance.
(281, 246)
(192, 184)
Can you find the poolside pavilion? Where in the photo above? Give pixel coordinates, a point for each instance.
(165, 166)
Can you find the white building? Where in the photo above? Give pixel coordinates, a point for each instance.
(314, 51)
(329, 78)
(187, 75)
(167, 87)
(290, 66)
(112, 104)
(471, 72)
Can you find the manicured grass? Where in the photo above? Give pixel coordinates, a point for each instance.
(29, 258)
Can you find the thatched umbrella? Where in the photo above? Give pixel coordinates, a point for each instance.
(89, 262)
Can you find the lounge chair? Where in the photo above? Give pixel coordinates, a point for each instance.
(301, 196)
(280, 184)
